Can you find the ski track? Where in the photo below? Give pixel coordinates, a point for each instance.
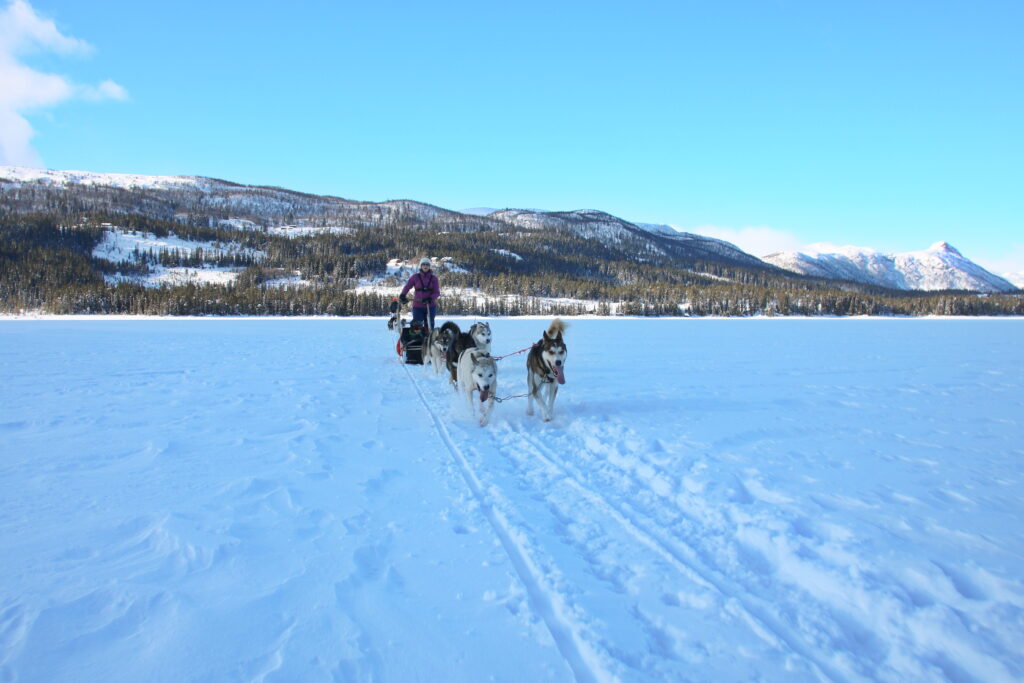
(548, 602)
(537, 469)
(598, 470)
(681, 556)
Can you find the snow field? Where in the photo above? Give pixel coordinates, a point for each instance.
(120, 246)
(714, 500)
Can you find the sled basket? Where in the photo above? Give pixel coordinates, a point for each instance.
(410, 343)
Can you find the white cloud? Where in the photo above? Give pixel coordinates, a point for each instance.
(22, 88)
(22, 30)
(107, 90)
(755, 240)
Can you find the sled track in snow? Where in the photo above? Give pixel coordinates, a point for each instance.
(547, 602)
(680, 556)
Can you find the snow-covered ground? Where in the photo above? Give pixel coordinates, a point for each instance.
(510, 254)
(715, 500)
(160, 276)
(238, 224)
(121, 245)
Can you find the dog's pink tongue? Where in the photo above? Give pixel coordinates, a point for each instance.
(484, 395)
(559, 374)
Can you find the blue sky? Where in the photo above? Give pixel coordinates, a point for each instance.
(884, 124)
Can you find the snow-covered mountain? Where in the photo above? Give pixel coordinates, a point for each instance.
(185, 197)
(197, 200)
(939, 267)
(594, 224)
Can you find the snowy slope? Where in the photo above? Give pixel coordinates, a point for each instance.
(709, 245)
(836, 506)
(20, 174)
(594, 224)
(659, 228)
(119, 245)
(584, 222)
(168, 197)
(124, 246)
(937, 268)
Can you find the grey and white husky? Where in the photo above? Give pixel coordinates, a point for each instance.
(545, 369)
(477, 372)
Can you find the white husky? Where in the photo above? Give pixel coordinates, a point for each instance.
(478, 372)
(545, 370)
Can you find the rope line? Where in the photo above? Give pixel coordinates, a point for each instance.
(514, 353)
(508, 398)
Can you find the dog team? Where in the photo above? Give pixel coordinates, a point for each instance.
(467, 355)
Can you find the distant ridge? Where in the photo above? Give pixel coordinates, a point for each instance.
(940, 267)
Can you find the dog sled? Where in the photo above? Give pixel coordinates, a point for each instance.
(412, 336)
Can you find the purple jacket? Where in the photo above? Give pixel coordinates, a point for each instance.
(427, 287)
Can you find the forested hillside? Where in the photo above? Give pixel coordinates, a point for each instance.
(285, 253)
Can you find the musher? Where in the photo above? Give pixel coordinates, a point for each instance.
(428, 289)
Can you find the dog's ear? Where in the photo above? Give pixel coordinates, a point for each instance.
(546, 337)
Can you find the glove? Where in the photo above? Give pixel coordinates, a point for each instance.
(404, 299)
(428, 301)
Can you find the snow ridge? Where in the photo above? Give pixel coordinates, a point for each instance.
(121, 180)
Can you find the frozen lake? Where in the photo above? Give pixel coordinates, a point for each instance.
(715, 500)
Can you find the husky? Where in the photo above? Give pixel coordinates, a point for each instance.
(545, 370)
(479, 337)
(395, 321)
(438, 341)
(477, 371)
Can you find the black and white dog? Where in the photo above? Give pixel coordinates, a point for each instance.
(436, 350)
(478, 337)
(395, 321)
(545, 370)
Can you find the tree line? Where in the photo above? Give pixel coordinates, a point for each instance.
(48, 264)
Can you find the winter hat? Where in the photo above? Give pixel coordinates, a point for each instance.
(424, 260)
